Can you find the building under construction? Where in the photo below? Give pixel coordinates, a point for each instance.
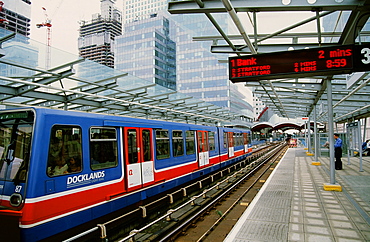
(96, 41)
(15, 16)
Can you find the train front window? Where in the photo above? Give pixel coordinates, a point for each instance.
(15, 143)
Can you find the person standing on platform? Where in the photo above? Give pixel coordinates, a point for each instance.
(366, 147)
(338, 152)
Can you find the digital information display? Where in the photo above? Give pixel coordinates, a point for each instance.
(300, 63)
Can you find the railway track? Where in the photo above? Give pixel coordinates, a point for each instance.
(225, 209)
(215, 224)
(192, 213)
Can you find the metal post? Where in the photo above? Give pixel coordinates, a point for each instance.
(318, 27)
(348, 143)
(331, 132)
(255, 29)
(360, 144)
(309, 135)
(315, 133)
(305, 133)
(364, 139)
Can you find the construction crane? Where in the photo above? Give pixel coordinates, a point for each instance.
(48, 25)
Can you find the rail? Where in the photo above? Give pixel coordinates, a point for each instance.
(260, 162)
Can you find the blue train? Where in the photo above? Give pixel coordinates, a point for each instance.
(60, 169)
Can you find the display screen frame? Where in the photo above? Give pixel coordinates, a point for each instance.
(342, 59)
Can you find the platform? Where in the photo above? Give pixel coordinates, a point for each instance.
(293, 205)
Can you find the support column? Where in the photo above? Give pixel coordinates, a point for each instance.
(348, 144)
(332, 186)
(309, 136)
(305, 135)
(360, 144)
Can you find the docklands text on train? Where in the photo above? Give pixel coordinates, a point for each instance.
(85, 177)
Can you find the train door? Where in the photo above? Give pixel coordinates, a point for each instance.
(230, 136)
(203, 154)
(138, 157)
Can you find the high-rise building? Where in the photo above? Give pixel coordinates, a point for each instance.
(134, 10)
(96, 41)
(15, 16)
(146, 50)
(199, 73)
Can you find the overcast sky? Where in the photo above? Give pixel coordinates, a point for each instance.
(65, 15)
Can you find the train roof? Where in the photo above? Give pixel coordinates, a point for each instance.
(115, 120)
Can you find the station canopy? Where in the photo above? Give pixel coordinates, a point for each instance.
(33, 74)
(320, 24)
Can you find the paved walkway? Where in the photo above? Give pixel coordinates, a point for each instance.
(293, 206)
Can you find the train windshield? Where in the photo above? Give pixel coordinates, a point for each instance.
(15, 142)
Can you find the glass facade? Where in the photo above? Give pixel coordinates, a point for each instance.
(199, 72)
(16, 18)
(146, 50)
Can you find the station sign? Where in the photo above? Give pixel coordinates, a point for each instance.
(334, 60)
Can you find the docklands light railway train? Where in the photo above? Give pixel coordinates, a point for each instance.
(60, 169)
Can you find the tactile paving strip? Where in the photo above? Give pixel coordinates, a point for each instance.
(263, 231)
(269, 219)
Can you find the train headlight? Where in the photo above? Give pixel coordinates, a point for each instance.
(15, 199)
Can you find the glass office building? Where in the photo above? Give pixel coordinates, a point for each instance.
(147, 51)
(15, 18)
(199, 73)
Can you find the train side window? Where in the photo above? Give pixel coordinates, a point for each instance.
(238, 139)
(65, 150)
(206, 141)
(211, 140)
(147, 145)
(245, 138)
(190, 144)
(203, 142)
(132, 151)
(225, 140)
(162, 142)
(103, 148)
(177, 143)
(231, 139)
